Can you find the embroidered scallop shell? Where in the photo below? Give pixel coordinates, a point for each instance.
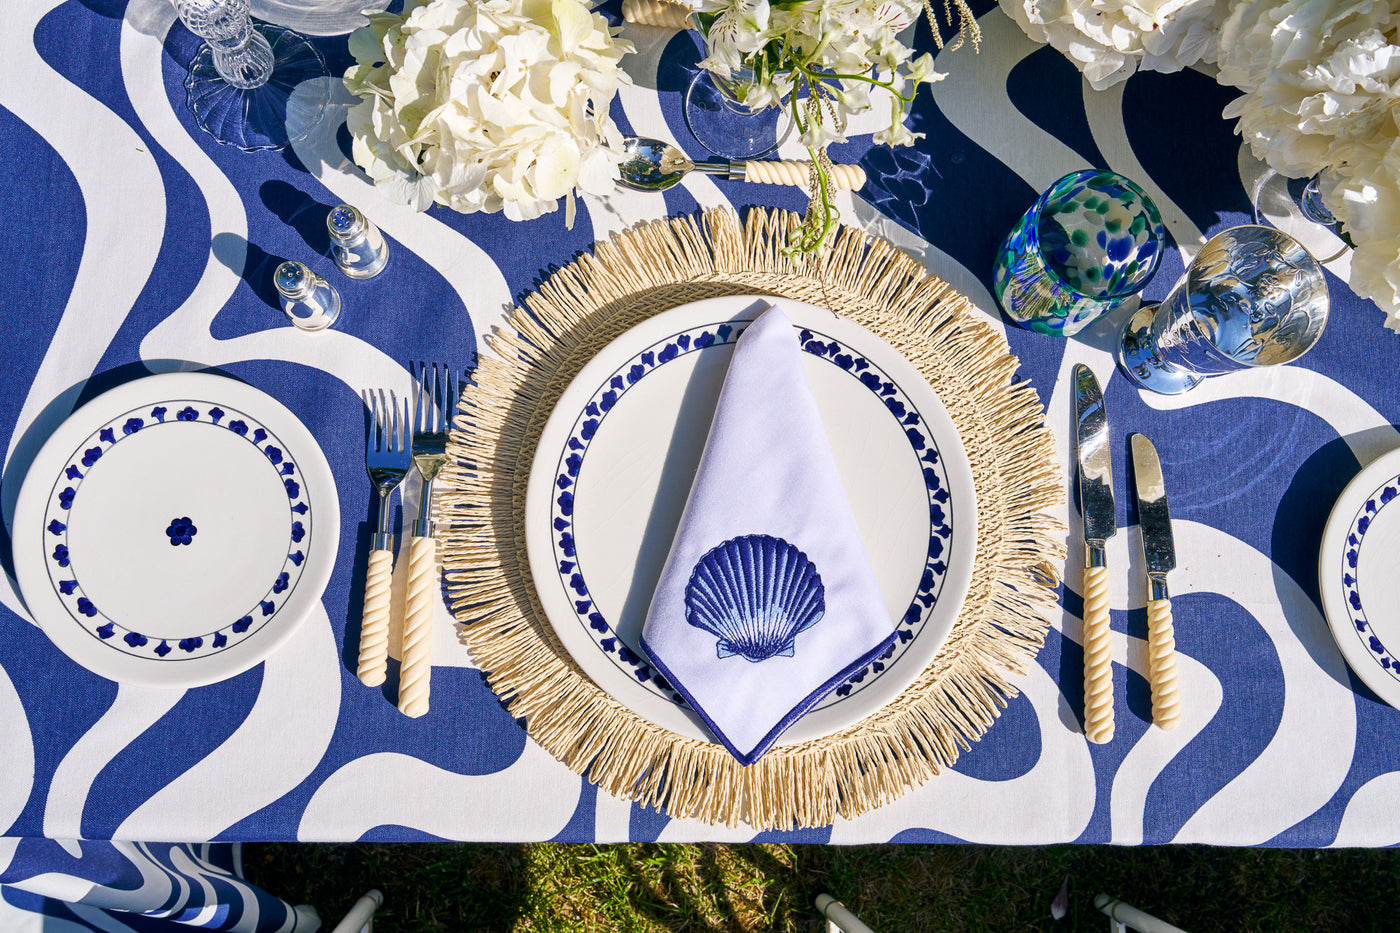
(756, 593)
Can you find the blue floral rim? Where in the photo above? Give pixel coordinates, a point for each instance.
(570, 572)
(85, 458)
(1366, 515)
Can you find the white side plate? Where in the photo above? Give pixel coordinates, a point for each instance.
(176, 530)
(1359, 574)
(618, 454)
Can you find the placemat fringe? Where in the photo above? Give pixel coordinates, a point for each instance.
(573, 314)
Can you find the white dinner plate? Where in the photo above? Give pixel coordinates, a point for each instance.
(1359, 574)
(619, 452)
(176, 530)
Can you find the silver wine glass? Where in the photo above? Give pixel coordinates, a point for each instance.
(248, 85)
(1253, 296)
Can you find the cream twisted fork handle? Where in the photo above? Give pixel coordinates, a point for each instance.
(387, 460)
(656, 13)
(437, 399)
(1161, 665)
(1098, 658)
(416, 652)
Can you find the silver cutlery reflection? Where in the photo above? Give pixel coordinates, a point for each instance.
(655, 165)
(387, 460)
(1159, 557)
(1096, 509)
(436, 397)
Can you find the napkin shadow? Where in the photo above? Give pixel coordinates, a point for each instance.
(28, 445)
(683, 453)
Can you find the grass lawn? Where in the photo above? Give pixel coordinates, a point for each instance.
(892, 888)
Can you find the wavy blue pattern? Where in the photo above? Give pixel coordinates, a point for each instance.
(1252, 479)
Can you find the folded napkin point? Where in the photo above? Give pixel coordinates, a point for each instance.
(767, 601)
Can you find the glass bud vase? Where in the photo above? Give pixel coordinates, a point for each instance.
(720, 119)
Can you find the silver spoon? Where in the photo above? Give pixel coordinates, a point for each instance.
(655, 165)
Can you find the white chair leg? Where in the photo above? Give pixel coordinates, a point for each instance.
(838, 918)
(1123, 917)
(360, 919)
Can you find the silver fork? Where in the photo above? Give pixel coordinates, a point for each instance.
(432, 415)
(387, 460)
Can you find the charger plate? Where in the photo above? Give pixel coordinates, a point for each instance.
(1359, 573)
(176, 530)
(574, 315)
(613, 469)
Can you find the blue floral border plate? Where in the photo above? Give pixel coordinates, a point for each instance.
(1359, 575)
(613, 469)
(175, 530)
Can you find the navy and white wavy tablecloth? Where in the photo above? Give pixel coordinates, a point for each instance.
(131, 239)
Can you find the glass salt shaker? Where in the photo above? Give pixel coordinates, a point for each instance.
(357, 246)
(310, 301)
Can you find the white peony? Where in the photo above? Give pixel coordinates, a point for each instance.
(1108, 40)
(1365, 197)
(1320, 78)
(487, 105)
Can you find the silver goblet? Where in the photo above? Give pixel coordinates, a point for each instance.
(1253, 296)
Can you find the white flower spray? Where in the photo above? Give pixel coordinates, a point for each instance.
(822, 59)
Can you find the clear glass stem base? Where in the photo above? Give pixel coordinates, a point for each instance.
(275, 113)
(726, 127)
(1140, 362)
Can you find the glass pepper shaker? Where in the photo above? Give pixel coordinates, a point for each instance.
(310, 301)
(357, 246)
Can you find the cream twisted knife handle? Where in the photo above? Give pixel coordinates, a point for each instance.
(415, 658)
(1161, 665)
(374, 624)
(656, 13)
(1098, 658)
(769, 172)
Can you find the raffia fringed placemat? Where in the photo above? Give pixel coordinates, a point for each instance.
(576, 312)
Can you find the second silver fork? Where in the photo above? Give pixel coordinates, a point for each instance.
(436, 401)
(387, 460)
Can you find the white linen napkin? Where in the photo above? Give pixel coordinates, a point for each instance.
(767, 601)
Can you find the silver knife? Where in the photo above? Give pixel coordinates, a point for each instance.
(1159, 556)
(1096, 509)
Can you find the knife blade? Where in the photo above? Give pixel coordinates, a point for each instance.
(1158, 557)
(1096, 510)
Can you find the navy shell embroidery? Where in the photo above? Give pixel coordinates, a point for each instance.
(814, 344)
(756, 593)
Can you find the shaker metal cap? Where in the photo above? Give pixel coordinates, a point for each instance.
(293, 279)
(345, 223)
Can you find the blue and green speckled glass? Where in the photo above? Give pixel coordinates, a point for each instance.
(1091, 240)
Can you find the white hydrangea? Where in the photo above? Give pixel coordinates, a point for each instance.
(1108, 40)
(487, 105)
(1320, 78)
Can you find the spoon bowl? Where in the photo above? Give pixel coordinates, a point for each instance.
(651, 164)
